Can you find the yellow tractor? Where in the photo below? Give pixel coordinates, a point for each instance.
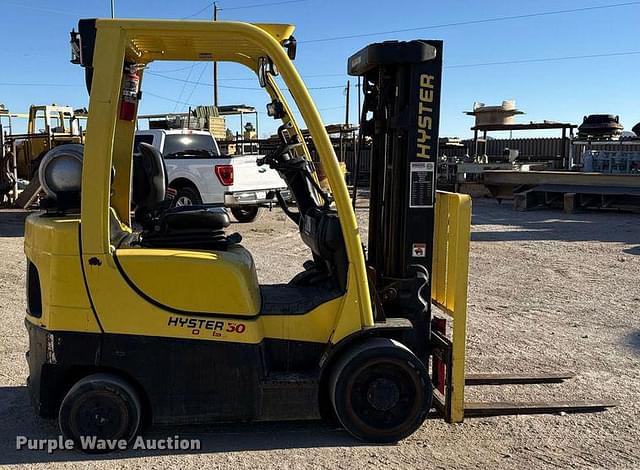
(160, 318)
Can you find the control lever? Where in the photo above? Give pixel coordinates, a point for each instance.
(273, 158)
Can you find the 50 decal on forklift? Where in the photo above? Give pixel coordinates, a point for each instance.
(216, 327)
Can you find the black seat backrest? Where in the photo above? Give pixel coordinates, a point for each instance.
(150, 179)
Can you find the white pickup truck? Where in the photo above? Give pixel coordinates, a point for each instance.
(200, 175)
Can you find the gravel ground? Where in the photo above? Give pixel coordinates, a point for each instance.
(548, 292)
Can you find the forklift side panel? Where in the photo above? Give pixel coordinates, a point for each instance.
(194, 281)
(55, 275)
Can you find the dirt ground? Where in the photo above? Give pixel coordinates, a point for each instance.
(548, 292)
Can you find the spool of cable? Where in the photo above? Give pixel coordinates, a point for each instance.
(61, 170)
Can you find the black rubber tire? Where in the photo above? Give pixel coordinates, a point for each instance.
(100, 397)
(189, 195)
(380, 391)
(246, 214)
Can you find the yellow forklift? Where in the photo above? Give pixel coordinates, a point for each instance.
(160, 318)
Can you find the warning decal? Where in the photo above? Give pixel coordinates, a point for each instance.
(419, 250)
(422, 185)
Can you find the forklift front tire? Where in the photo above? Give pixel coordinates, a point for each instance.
(380, 391)
(100, 407)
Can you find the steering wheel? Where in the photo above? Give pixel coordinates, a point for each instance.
(277, 157)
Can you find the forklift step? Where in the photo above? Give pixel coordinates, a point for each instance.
(506, 379)
(503, 408)
(287, 395)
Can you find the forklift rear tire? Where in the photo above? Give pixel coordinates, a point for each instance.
(246, 214)
(380, 391)
(103, 406)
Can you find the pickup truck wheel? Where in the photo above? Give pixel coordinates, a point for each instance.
(187, 196)
(246, 213)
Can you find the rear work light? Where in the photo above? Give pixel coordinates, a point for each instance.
(224, 174)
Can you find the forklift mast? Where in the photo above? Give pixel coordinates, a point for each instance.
(400, 118)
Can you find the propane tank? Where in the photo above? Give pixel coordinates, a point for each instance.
(60, 170)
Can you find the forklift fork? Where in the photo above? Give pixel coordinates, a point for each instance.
(448, 329)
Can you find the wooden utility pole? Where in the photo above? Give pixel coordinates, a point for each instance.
(359, 87)
(346, 123)
(215, 64)
(346, 117)
(356, 140)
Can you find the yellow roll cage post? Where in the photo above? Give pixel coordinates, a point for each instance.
(109, 140)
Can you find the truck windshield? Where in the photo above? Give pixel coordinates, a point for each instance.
(189, 146)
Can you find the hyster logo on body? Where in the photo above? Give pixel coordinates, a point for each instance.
(216, 327)
(425, 119)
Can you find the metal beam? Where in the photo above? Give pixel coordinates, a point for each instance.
(524, 127)
(519, 178)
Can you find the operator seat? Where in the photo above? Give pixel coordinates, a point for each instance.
(164, 226)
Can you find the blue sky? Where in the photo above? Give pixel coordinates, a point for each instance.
(35, 50)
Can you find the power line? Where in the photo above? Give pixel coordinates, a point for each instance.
(37, 84)
(199, 11)
(454, 66)
(325, 75)
(242, 7)
(234, 87)
(25, 54)
(535, 60)
(167, 99)
(184, 85)
(173, 70)
(542, 59)
(471, 22)
(257, 5)
(330, 87)
(175, 79)
(506, 62)
(46, 10)
(198, 82)
(251, 79)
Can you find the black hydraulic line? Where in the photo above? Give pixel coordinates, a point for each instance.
(294, 216)
(325, 197)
